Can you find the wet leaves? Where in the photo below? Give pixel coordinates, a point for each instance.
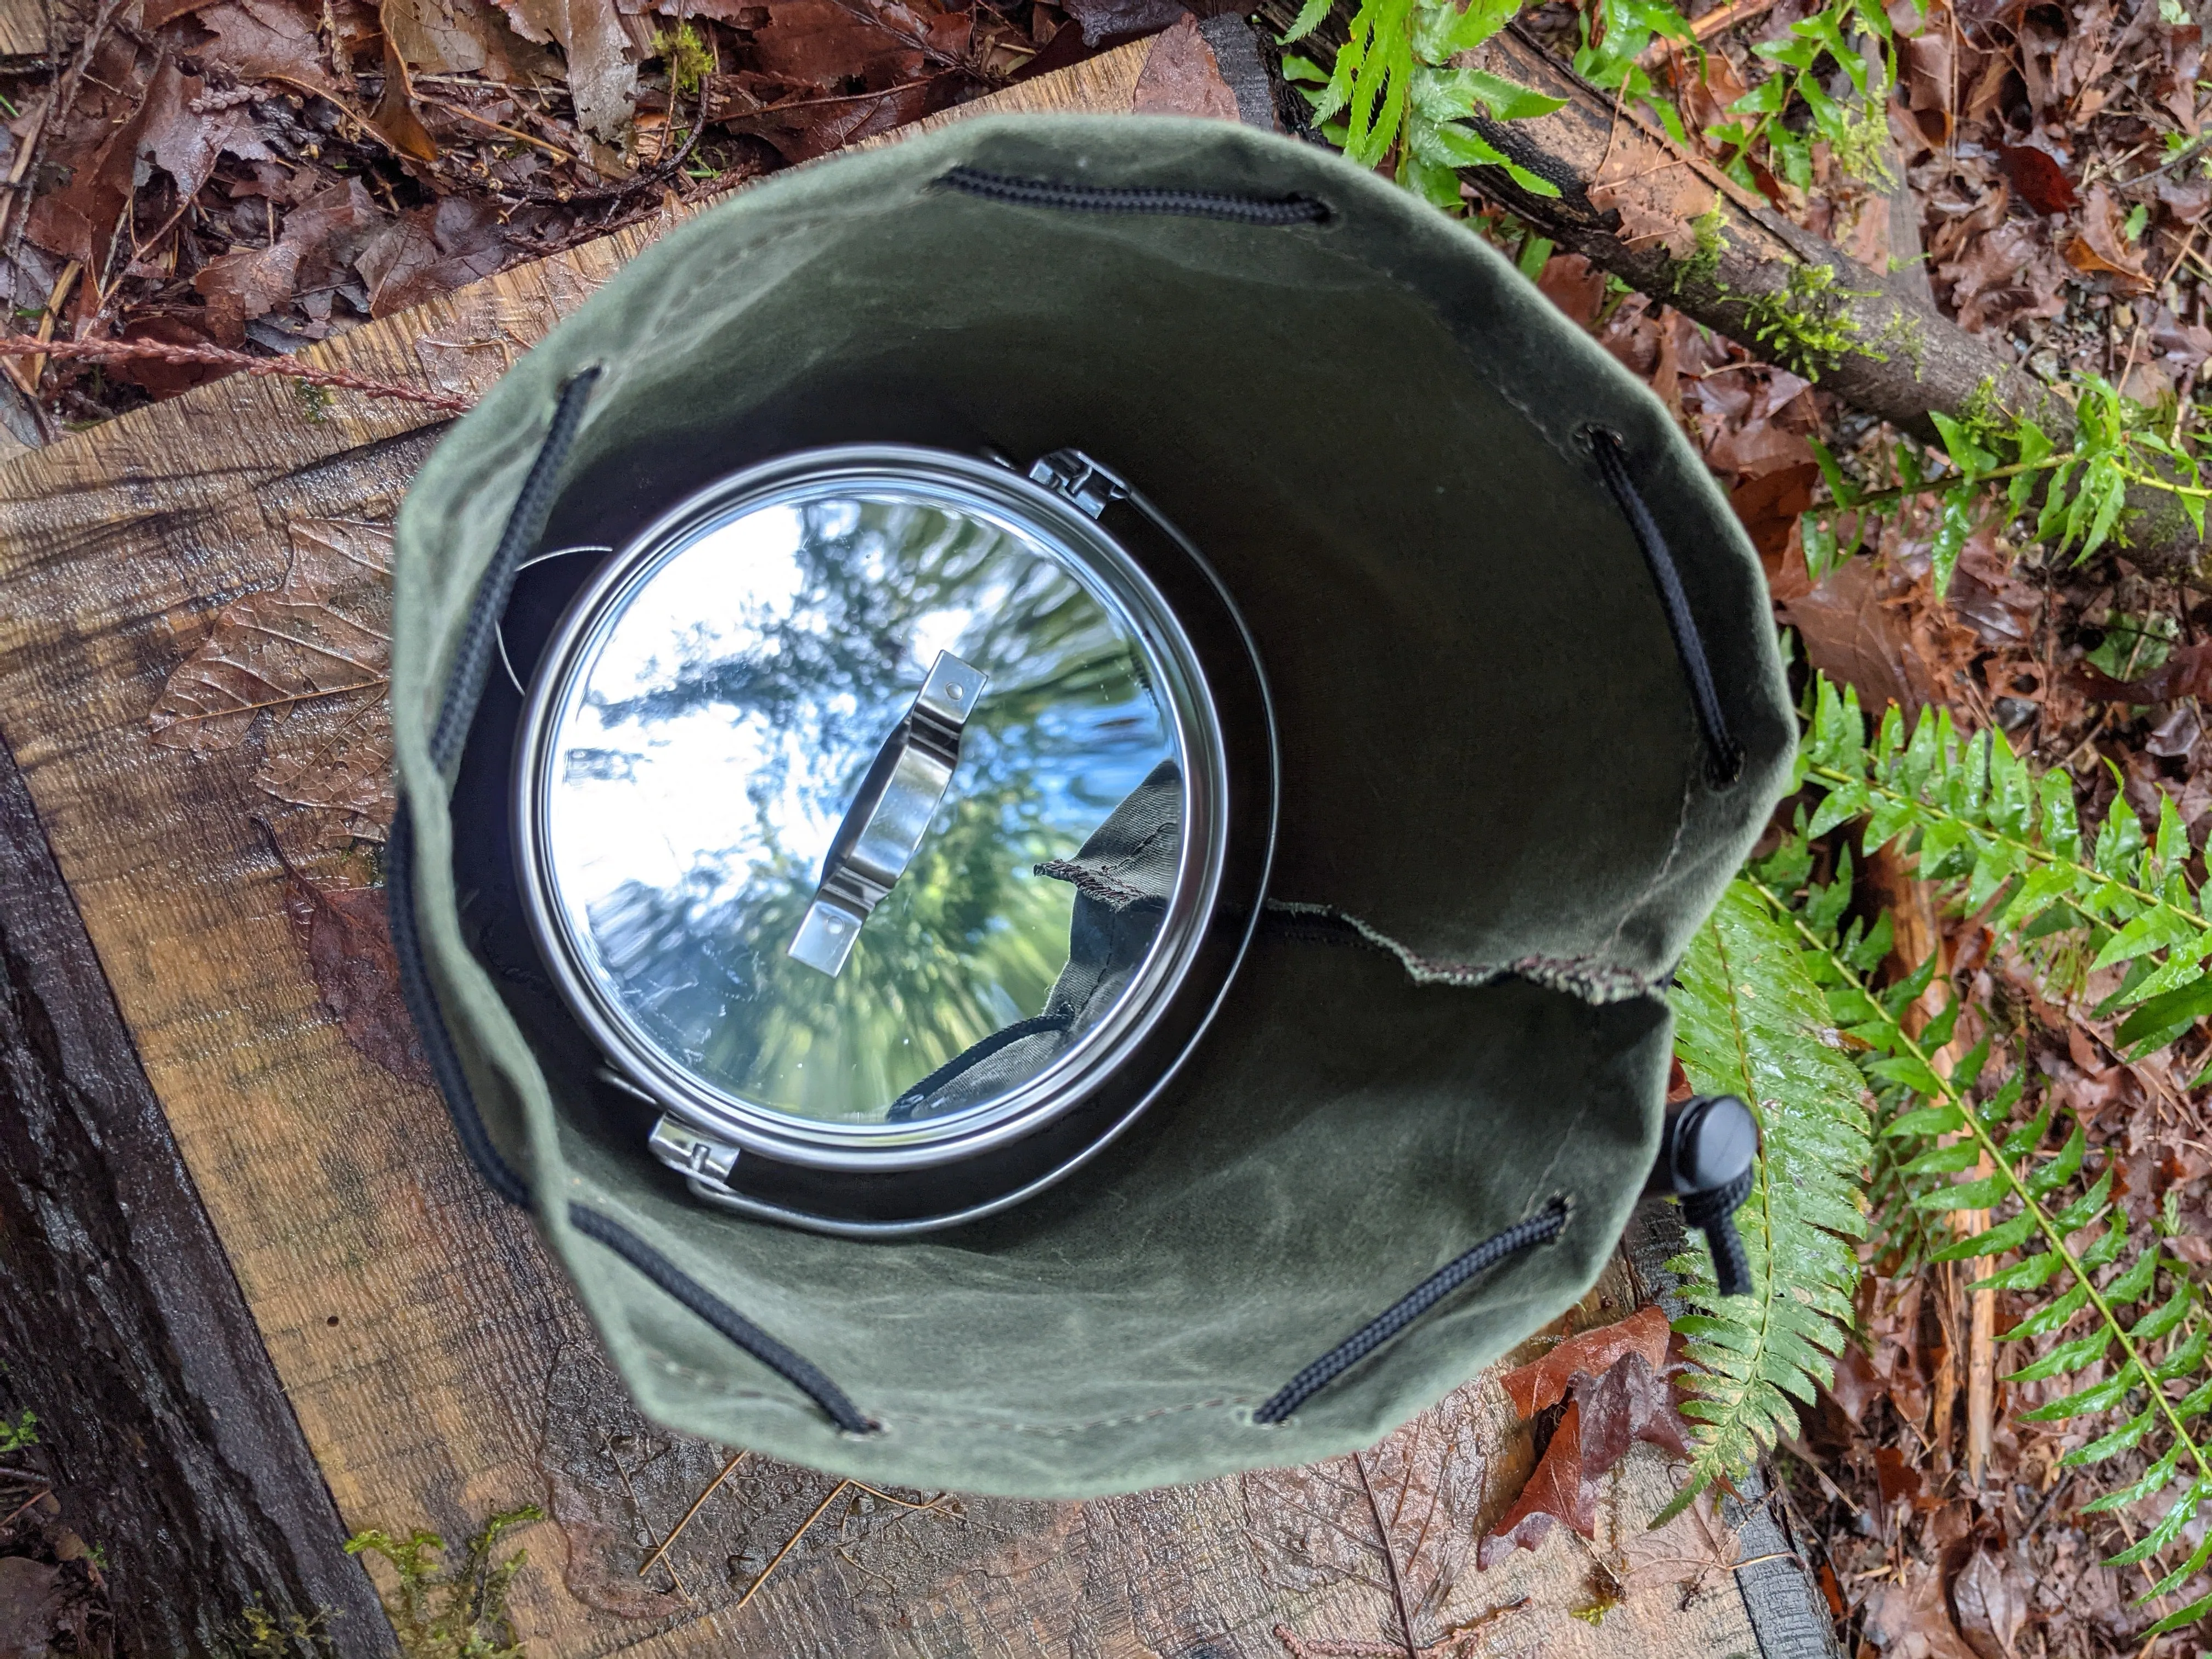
(259, 173)
(1182, 78)
(1617, 1376)
(1316, 1527)
(346, 933)
(304, 665)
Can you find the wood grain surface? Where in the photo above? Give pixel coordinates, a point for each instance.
(23, 27)
(439, 1366)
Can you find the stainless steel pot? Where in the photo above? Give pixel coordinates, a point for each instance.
(893, 822)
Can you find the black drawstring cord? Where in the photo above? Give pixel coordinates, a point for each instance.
(1712, 1212)
(918, 1097)
(1106, 199)
(525, 523)
(802, 1374)
(1540, 1228)
(429, 1018)
(1723, 754)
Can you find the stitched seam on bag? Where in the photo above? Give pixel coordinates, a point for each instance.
(1666, 864)
(1588, 979)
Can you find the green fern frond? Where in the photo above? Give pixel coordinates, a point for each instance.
(1982, 824)
(1393, 85)
(2115, 1316)
(1750, 1021)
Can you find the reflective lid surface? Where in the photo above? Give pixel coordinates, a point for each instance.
(789, 772)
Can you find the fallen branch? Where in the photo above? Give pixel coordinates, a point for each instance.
(283, 368)
(1671, 225)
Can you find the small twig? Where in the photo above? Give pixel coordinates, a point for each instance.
(697, 1504)
(28, 378)
(789, 1544)
(1389, 1557)
(467, 114)
(10, 1519)
(222, 357)
(2143, 306)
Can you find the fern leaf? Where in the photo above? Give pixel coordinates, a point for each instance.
(1752, 1022)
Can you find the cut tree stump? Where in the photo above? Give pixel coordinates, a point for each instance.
(439, 1366)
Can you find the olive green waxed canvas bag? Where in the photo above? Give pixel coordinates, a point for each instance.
(1526, 713)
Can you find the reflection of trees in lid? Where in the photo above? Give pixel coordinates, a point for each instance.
(969, 940)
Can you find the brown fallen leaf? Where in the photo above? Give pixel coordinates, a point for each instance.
(1544, 1382)
(1555, 1495)
(1769, 506)
(395, 118)
(1314, 1526)
(1575, 285)
(321, 237)
(826, 44)
(347, 934)
(462, 37)
(1181, 76)
(1628, 1397)
(2036, 174)
(1869, 627)
(430, 251)
(2102, 248)
(1907, 1618)
(602, 59)
(263, 39)
(1989, 1602)
(308, 662)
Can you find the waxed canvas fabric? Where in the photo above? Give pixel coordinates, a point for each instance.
(1490, 766)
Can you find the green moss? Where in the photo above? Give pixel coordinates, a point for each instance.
(1703, 267)
(315, 401)
(23, 1431)
(1904, 336)
(1808, 325)
(258, 1633)
(690, 59)
(460, 1612)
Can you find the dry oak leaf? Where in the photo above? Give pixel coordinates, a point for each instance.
(2102, 249)
(1182, 76)
(308, 659)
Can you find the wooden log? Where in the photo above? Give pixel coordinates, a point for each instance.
(161, 1427)
(439, 1365)
(1627, 197)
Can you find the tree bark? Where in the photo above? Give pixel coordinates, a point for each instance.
(1627, 194)
(162, 1425)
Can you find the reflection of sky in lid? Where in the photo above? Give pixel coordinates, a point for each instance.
(706, 755)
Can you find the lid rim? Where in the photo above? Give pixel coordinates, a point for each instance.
(999, 495)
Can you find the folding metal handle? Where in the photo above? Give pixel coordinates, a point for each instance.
(889, 817)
